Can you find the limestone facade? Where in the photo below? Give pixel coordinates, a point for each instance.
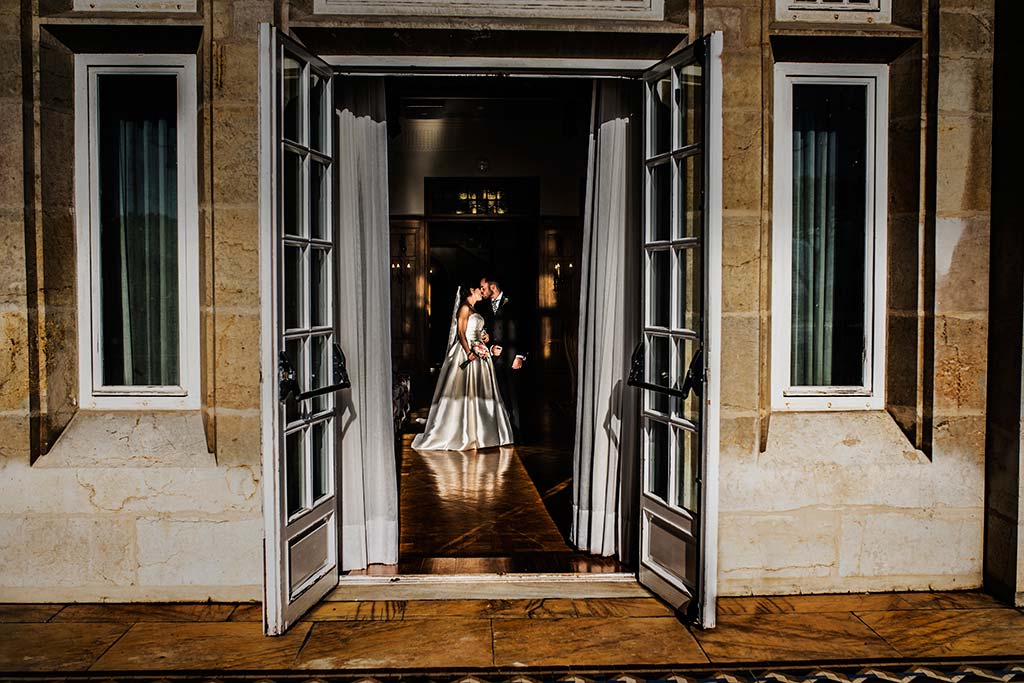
(101, 507)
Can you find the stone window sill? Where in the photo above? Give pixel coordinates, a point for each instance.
(131, 439)
(851, 436)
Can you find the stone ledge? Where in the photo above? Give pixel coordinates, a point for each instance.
(131, 439)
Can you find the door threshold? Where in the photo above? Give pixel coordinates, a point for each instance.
(488, 587)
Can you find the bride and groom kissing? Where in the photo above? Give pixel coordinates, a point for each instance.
(475, 403)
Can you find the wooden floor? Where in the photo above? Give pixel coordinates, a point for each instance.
(485, 635)
(500, 510)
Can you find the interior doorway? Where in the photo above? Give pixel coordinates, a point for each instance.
(486, 179)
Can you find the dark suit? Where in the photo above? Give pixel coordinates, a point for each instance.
(503, 327)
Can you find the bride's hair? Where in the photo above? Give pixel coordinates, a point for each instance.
(464, 292)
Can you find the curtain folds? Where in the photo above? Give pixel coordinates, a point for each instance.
(139, 230)
(814, 253)
(604, 459)
(366, 456)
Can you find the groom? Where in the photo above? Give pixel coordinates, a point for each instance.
(501, 323)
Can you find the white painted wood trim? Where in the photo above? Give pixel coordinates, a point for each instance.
(91, 396)
(583, 9)
(872, 395)
(713, 351)
(273, 531)
(399, 65)
(878, 12)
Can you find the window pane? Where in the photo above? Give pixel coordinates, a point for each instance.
(294, 350)
(292, 123)
(295, 471)
(829, 234)
(691, 109)
(318, 116)
(658, 372)
(691, 200)
(660, 203)
(657, 453)
(321, 455)
(690, 301)
(294, 287)
(661, 119)
(688, 408)
(687, 455)
(659, 288)
(292, 198)
(138, 229)
(318, 287)
(320, 371)
(319, 213)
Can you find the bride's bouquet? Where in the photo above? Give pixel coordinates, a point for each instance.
(480, 350)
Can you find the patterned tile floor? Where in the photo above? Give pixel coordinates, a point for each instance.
(489, 636)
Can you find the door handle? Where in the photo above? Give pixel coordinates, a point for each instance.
(287, 378)
(637, 379)
(694, 380)
(288, 383)
(339, 376)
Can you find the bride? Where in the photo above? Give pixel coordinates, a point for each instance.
(467, 412)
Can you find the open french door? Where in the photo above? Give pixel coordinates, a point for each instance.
(302, 366)
(675, 364)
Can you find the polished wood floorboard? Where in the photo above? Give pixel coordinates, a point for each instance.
(487, 512)
(472, 634)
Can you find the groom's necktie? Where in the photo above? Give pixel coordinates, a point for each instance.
(494, 304)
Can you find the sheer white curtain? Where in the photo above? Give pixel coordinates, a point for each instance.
(369, 483)
(604, 461)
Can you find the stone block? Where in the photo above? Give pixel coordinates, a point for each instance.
(902, 271)
(238, 438)
(960, 365)
(740, 354)
(741, 80)
(738, 436)
(966, 33)
(238, 76)
(741, 160)
(904, 191)
(741, 263)
(236, 160)
(965, 84)
(964, 164)
(200, 552)
(14, 355)
(67, 551)
(838, 459)
(902, 352)
(236, 263)
(926, 543)
(961, 264)
(12, 188)
(14, 438)
(131, 439)
(960, 438)
(785, 545)
(12, 267)
(237, 375)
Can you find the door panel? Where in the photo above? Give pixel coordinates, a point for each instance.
(302, 366)
(669, 365)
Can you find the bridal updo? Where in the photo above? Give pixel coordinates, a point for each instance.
(465, 289)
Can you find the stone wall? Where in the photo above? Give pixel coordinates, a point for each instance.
(129, 506)
(837, 502)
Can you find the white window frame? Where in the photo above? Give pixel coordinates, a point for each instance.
(870, 396)
(877, 12)
(92, 394)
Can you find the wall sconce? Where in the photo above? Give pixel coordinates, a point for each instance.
(563, 275)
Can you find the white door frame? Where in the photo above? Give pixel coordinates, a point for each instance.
(398, 65)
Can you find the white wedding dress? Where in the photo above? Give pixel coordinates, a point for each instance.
(467, 412)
